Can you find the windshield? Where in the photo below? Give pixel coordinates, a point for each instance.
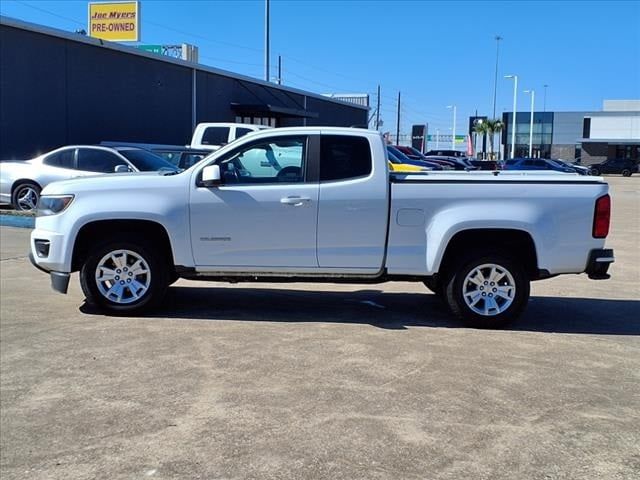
(146, 161)
(397, 153)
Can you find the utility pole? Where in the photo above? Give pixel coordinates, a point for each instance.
(495, 80)
(266, 40)
(378, 110)
(398, 123)
(279, 70)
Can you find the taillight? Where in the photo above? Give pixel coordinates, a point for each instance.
(601, 217)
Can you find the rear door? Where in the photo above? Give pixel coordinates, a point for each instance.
(353, 205)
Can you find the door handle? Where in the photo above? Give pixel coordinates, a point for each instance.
(295, 201)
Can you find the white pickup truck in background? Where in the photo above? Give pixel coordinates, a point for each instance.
(212, 136)
(319, 204)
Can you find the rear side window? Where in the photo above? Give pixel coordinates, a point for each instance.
(343, 157)
(99, 161)
(63, 159)
(215, 136)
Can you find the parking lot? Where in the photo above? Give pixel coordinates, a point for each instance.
(323, 381)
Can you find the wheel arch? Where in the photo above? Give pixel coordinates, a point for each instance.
(518, 243)
(19, 181)
(99, 230)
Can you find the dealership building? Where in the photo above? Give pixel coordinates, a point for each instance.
(60, 88)
(592, 137)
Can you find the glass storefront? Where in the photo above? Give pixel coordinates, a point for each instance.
(542, 134)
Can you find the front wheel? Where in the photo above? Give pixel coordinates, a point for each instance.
(487, 290)
(595, 172)
(124, 276)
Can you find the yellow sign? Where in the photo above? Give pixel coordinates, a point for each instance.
(115, 21)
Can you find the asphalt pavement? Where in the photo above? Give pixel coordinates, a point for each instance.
(323, 381)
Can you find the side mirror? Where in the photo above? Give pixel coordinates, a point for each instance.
(211, 176)
(121, 169)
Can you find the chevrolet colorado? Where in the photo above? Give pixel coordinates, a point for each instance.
(319, 204)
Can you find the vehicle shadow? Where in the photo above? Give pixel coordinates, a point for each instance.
(387, 310)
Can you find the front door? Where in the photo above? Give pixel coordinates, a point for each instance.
(264, 214)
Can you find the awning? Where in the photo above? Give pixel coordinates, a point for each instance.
(611, 141)
(268, 110)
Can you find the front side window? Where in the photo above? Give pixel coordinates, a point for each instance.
(99, 161)
(343, 157)
(275, 160)
(215, 136)
(62, 159)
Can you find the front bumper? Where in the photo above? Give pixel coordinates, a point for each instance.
(59, 280)
(599, 261)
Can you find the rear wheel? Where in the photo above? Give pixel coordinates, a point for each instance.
(487, 290)
(626, 172)
(595, 171)
(25, 196)
(124, 276)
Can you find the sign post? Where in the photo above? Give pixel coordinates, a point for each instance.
(115, 21)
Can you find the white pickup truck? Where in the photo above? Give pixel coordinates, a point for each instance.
(212, 136)
(320, 205)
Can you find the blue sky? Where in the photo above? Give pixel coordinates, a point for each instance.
(435, 53)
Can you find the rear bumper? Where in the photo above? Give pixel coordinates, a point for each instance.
(598, 263)
(59, 280)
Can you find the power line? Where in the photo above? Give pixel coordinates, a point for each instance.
(50, 13)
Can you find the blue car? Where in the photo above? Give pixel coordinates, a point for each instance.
(536, 164)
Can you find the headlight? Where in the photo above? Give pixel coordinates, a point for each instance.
(52, 204)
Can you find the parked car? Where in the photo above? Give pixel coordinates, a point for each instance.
(414, 154)
(577, 168)
(396, 165)
(21, 182)
(459, 163)
(181, 157)
(445, 153)
(623, 166)
(333, 214)
(486, 164)
(407, 161)
(212, 136)
(536, 164)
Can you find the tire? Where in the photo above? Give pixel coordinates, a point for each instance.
(595, 172)
(25, 196)
(116, 256)
(482, 266)
(626, 172)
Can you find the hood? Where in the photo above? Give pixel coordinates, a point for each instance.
(130, 182)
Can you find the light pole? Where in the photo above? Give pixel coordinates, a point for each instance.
(533, 98)
(515, 105)
(266, 40)
(544, 103)
(437, 138)
(495, 80)
(453, 130)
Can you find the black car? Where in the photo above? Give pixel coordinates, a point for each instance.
(180, 156)
(624, 166)
(486, 164)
